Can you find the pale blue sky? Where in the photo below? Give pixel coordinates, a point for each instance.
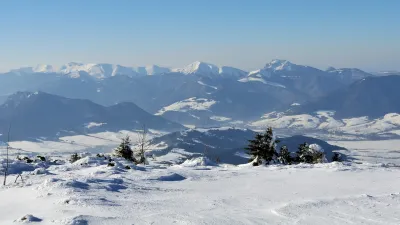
(240, 33)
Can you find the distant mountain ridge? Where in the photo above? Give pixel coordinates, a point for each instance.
(106, 70)
(372, 96)
(35, 115)
(200, 94)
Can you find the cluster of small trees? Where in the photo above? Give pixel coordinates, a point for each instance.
(137, 155)
(124, 150)
(262, 150)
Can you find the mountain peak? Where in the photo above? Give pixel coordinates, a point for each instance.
(279, 64)
(331, 68)
(15, 99)
(199, 67)
(43, 68)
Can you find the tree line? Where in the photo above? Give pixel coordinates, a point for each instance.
(262, 150)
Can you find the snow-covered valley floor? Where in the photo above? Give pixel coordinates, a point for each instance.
(378, 151)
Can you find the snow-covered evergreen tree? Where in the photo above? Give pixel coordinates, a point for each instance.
(317, 153)
(74, 157)
(263, 148)
(284, 156)
(336, 157)
(124, 149)
(304, 154)
(310, 154)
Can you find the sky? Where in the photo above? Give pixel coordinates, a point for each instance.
(241, 33)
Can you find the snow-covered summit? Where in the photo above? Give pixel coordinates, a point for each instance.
(153, 70)
(209, 69)
(41, 68)
(231, 71)
(198, 68)
(279, 64)
(276, 65)
(99, 71)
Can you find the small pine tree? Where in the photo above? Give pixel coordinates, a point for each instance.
(336, 157)
(318, 157)
(124, 149)
(284, 156)
(304, 154)
(41, 158)
(262, 148)
(74, 157)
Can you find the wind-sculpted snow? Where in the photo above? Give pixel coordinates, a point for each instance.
(345, 210)
(92, 192)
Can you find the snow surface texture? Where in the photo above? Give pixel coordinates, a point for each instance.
(325, 121)
(90, 192)
(199, 191)
(190, 104)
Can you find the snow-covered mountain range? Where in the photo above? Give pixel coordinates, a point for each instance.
(105, 70)
(203, 94)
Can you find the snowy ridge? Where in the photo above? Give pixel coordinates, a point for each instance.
(278, 68)
(279, 64)
(352, 73)
(41, 68)
(324, 120)
(198, 67)
(190, 104)
(275, 66)
(210, 70)
(105, 70)
(99, 71)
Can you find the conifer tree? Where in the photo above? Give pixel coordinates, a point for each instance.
(336, 157)
(318, 157)
(124, 149)
(74, 157)
(284, 156)
(262, 148)
(304, 154)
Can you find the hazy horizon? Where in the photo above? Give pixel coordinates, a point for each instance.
(242, 34)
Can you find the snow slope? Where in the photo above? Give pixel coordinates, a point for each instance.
(190, 104)
(90, 192)
(209, 69)
(198, 67)
(325, 121)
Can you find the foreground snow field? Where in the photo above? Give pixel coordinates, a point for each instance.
(90, 192)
